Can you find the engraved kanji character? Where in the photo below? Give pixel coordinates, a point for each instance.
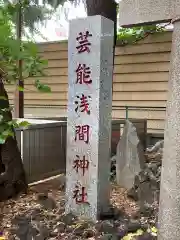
(83, 104)
(83, 74)
(80, 194)
(81, 164)
(83, 43)
(82, 133)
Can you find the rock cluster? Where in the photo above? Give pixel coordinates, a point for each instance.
(45, 219)
(70, 227)
(146, 186)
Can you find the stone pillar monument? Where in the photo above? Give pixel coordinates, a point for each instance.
(90, 63)
(139, 12)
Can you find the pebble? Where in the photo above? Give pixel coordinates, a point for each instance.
(133, 226)
(89, 233)
(60, 227)
(108, 237)
(80, 228)
(46, 202)
(43, 230)
(68, 219)
(105, 227)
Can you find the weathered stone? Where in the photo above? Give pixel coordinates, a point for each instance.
(46, 201)
(143, 176)
(145, 193)
(139, 12)
(146, 210)
(43, 230)
(113, 168)
(112, 214)
(60, 211)
(60, 227)
(68, 219)
(89, 233)
(25, 229)
(147, 184)
(21, 219)
(35, 213)
(71, 237)
(62, 203)
(128, 163)
(132, 193)
(26, 232)
(105, 227)
(153, 167)
(133, 12)
(156, 148)
(69, 229)
(79, 229)
(133, 225)
(89, 130)
(108, 237)
(136, 181)
(38, 237)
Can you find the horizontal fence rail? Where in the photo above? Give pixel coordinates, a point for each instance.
(154, 115)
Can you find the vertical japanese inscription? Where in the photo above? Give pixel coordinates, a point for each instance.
(88, 126)
(82, 106)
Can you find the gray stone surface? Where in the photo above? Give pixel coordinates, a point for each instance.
(169, 215)
(158, 147)
(96, 148)
(135, 12)
(128, 162)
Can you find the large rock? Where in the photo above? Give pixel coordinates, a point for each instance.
(147, 183)
(129, 156)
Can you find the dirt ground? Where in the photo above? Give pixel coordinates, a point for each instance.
(55, 189)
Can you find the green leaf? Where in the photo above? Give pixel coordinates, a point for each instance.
(31, 48)
(44, 62)
(8, 133)
(42, 87)
(132, 35)
(13, 123)
(24, 124)
(2, 140)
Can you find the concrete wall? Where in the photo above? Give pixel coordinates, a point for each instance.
(140, 80)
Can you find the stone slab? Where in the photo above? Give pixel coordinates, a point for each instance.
(97, 87)
(139, 12)
(169, 214)
(129, 156)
